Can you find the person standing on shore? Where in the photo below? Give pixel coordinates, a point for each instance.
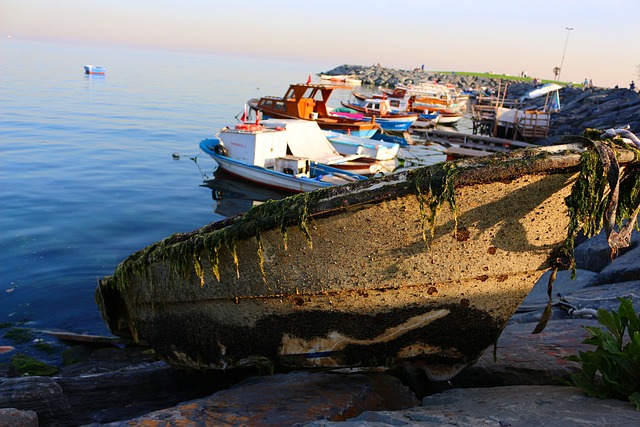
(632, 85)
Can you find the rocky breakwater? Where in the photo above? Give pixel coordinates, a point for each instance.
(377, 75)
(581, 107)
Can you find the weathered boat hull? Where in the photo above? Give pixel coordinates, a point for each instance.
(344, 277)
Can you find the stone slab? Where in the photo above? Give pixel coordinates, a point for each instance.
(285, 400)
(550, 406)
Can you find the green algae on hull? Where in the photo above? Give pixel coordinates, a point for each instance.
(184, 254)
(440, 190)
(433, 186)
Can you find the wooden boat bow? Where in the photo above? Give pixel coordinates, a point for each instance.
(375, 273)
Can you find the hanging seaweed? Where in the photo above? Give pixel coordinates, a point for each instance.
(587, 200)
(629, 193)
(197, 264)
(231, 246)
(184, 256)
(439, 189)
(261, 256)
(283, 227)
(300, 208)
(604, 194)
(214, 262)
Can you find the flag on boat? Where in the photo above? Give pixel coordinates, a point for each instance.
(309, 79)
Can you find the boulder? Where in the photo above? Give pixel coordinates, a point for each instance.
(12, 417)
(551, 406)
(285, 400)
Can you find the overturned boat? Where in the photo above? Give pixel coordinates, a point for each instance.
(424, 267)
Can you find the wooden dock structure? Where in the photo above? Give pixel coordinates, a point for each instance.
(508, 118)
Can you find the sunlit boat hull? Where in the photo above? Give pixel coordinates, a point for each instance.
(350, 276)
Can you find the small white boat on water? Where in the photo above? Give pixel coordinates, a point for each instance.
(92, 69)
(271, 155)
(334, 78)
(367, 147)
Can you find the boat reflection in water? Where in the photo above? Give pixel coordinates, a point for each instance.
(232, 196)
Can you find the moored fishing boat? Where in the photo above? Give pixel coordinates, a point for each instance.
(444, 107)
(307, 101)
(368, 274)
(380, 109)
(288, 155)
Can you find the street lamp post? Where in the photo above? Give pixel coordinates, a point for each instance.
(564, 51)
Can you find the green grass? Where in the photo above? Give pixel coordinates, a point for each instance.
(497, 76)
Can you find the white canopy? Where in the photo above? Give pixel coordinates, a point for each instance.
(306, 139)
(542, 90)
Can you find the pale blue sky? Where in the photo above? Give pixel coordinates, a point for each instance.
(464, 35)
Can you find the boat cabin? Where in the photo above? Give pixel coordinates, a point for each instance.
(259, 147)
(304, 101)
(381, 106)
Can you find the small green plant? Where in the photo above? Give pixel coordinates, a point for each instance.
(612, 370)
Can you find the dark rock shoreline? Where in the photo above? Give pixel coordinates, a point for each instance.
(521, 384)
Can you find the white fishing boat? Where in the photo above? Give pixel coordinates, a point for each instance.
(263, 155)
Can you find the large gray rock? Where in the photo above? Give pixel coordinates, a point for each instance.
(551, 406)
(285, 400)
(625, 268)
(41, 395)
(12, 417)
(594, 254)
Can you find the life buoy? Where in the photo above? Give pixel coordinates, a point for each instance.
(384, 108)
(220, 150)
(249, 127)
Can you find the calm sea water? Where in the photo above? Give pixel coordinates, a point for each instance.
(93, 169)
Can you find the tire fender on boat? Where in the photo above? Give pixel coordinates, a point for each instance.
(220, 150)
